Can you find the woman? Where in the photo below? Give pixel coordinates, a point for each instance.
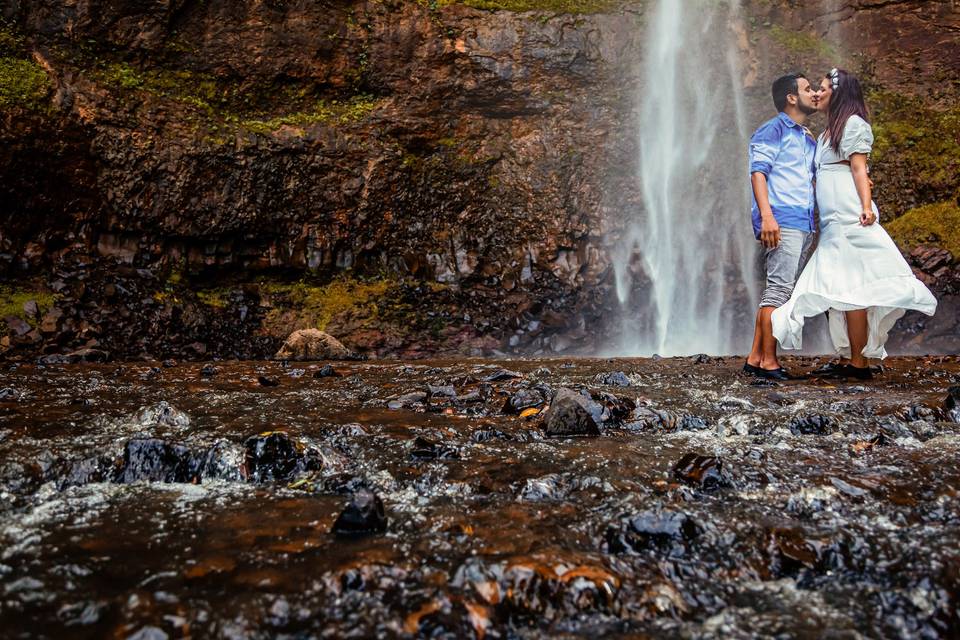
(856, 272)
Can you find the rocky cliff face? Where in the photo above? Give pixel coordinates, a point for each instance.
(199, 177)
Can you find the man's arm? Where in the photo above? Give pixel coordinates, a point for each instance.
(764, 149)
(769, 228)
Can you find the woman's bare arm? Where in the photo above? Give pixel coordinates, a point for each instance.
(858, 165)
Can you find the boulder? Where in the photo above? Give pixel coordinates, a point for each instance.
(572, 414)
(364, 514)
(313, 344)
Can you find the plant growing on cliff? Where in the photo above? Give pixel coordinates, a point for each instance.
(23, 84)
(936, 224)
(12, 300)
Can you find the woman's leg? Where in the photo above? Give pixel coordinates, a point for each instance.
(857, 333)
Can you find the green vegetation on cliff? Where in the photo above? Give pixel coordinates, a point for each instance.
(556, 6)
(934, 224)
(13, 299)
(316, 305)
(23, 84)
(226, 106)
(918, 136)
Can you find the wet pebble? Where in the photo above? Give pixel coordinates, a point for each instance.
(425, 449)
(365, 514)
(502, 374)
(951, 405)
(702, 472)
(813, 424)
(326, 371)
(614, 379)
(268, 381)
(652, 530)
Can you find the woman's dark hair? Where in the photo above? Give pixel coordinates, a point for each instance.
(846, 101)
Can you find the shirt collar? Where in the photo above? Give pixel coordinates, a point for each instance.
(787, 120)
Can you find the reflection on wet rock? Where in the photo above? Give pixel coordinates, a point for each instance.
(667, 531)
(363, 515)
(153, 460)
(275, 456)
(814, 424)
(162, 414)
(952, 404)
(426, 449)
(702, 472)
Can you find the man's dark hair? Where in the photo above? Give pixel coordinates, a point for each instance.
(785, 86)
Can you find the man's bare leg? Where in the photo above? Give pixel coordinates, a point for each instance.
(857, 334)
(755, 354)
(768, 344)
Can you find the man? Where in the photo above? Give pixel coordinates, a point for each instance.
(781, 173)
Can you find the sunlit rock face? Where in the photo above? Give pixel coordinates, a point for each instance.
(482, 165)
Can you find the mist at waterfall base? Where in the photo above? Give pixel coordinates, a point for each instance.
(686, 267)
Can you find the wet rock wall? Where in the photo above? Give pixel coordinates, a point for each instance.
(482, 159)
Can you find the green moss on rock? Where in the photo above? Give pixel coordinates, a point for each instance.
(934, 224)
(555, 6)
(918, 136)
(23, 84)
(12, 300)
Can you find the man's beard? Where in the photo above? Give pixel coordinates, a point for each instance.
(808, 109)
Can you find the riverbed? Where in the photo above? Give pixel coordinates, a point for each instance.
(171, 500)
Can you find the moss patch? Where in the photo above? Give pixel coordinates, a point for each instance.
(555, 6)
(317, 305)
(800, 43)
(23, 84)
(334, 112)
(936, 224)
(925, 139)
(13, 299)
(226, 107)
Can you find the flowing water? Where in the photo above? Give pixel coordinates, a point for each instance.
(685, 265)
(199, 501)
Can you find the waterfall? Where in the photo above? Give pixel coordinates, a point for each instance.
(685, 270)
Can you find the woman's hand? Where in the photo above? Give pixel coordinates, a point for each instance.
(867, 218)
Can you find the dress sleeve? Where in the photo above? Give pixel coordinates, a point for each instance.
(764, 149)
(857, 137)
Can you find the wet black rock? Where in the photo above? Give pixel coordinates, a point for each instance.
(363, 515)
(169, 363)
(813, 424)
(614, 379)
(424, 449)
(703, 472)
(225, 460)
(81, 472)
(572, 414)
(155, 460)
(702, 358)
(614, 409)
(268, 381)
(441, 391)
(921, 412)
(9, 393)
(502, 374)
(326, 371)
(274, 456)
(951, 406)
(524, 398)
(208, 371)
(791, 550)
(407, 400)
(486, 435)
(652, 530)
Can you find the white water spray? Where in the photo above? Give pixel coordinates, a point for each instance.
(684, 268)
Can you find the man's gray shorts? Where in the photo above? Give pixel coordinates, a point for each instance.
(783, 264)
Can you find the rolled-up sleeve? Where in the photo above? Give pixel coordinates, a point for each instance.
(764, 148)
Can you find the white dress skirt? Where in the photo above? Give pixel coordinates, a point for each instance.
(853, 266)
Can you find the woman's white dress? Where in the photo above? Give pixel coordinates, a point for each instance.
(853, 266)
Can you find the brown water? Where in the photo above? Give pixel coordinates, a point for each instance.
(850, 530)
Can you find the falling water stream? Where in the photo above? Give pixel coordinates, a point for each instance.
(684, 267)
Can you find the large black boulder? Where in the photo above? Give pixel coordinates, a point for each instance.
(572, 414)
(155, 460)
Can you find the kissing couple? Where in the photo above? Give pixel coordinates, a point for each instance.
(856, 273)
